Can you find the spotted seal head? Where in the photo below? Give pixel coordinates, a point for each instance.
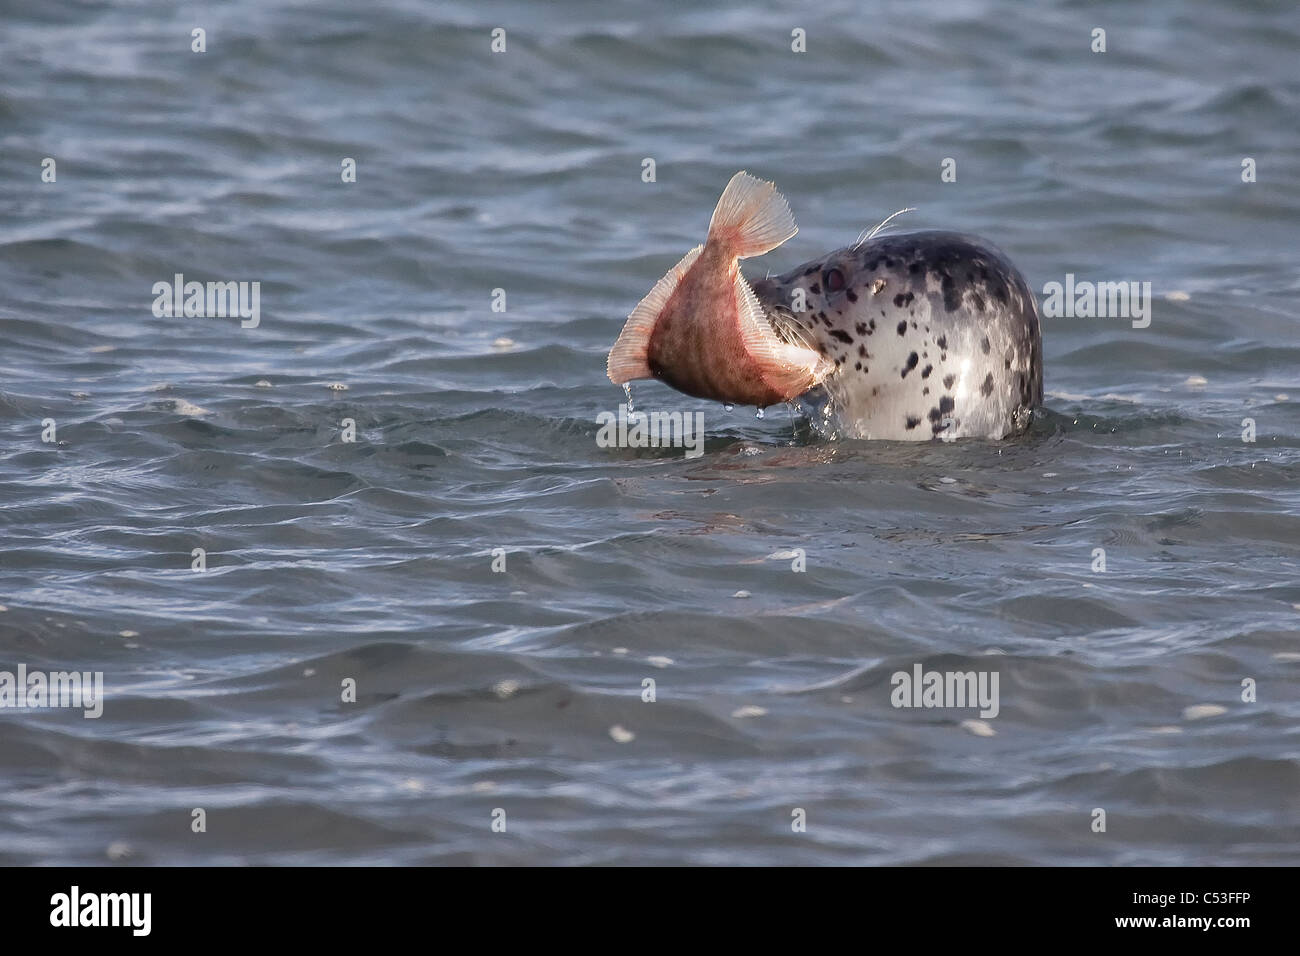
(933, 334)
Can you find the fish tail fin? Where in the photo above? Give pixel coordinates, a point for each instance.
(630, 357)
(751, 218)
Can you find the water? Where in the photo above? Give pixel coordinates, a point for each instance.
(475, 441)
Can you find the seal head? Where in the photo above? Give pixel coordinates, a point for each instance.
(932, 334)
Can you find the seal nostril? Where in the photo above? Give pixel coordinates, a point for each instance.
(833, 279)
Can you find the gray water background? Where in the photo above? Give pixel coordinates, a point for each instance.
(479, 691)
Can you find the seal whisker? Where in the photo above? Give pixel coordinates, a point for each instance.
(789, 329)
(864, 235)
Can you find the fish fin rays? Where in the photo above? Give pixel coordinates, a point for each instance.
(786, 367)
(629, 358)
(751, 217)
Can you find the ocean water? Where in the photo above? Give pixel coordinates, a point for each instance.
(1161, 690)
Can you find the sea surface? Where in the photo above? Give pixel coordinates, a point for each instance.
(438, 643)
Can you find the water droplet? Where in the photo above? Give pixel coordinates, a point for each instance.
(727, 406)
(627, 390)
(759, 413)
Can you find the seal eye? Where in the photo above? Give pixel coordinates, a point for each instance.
(833, 280)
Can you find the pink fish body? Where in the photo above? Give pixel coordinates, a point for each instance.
(701, 329)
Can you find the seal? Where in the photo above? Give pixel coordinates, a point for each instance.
(905, 337)
(933, 334)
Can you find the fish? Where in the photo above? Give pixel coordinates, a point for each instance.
(701, 329)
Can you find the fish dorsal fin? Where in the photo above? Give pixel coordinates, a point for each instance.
(789, 368)
(751, 217)
(629, 358)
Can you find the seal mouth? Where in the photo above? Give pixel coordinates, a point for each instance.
(790, 331)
